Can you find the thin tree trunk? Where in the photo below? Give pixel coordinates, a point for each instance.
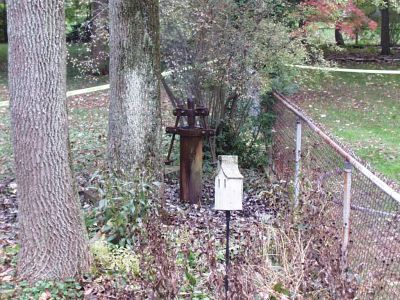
(134, 139)
(5, 22)
(99, 12)
(170, 94)
(339, 37)
(52, 235)
(385, 30)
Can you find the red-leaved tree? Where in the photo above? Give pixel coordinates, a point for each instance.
(344, 15)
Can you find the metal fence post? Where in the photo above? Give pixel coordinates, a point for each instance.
(297, 167)
(346, 212)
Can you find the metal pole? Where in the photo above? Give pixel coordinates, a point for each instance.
(297, 167)
(346, 212)
(228, 217)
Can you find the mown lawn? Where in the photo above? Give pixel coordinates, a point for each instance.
(84, 141)
(75, 77)
(5, 144)
(362, 110)
(88, 130)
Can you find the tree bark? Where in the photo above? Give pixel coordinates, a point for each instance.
(52, 235)
(385, 30)
(134, 138)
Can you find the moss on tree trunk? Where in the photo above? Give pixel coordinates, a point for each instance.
(134, 139)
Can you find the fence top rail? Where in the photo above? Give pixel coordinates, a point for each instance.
(366, 172)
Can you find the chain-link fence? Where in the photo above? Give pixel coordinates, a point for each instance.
(350, 216)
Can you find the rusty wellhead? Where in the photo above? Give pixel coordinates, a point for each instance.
(191, 149)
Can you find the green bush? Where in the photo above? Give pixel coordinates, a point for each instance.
(123, 207)
(251, 143)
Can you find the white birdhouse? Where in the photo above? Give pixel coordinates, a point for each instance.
(228, 184)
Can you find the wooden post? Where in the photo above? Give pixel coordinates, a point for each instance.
(191, 168)
(297, 167)
(346, 213)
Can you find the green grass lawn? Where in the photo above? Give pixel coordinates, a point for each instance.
(5, 144)
(88, 137)
(86, 141)
(3, 64)
(362, 110)
(75, 78)
(87, 130)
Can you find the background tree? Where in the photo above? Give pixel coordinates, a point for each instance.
(78, 20)
(87, 28)
(345, 15)
(52, 235)
(134, 138)
(3, 7)
(99, 35)
(385, 7)
(385, 29)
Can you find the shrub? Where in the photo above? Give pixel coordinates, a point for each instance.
(252, 140)
(226, 54)
(114, 259)
(123, 207)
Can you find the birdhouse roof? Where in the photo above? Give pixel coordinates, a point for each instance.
(229, 167)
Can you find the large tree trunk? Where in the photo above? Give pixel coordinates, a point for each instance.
(134, 139)
(52, 235)
(385, 30)
(99, 12)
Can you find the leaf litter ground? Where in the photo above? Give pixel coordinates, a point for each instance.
(183, 253)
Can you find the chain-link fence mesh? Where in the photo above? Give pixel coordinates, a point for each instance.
(369, 267)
